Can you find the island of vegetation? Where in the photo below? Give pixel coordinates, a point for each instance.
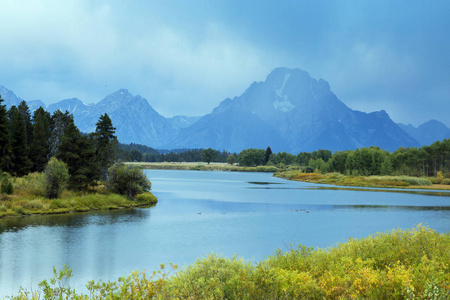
(401, 264)
(48, 166)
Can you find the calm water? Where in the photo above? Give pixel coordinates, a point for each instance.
(247, 214)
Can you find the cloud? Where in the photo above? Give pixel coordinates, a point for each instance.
(185, 57)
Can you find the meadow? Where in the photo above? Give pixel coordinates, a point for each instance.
(28, 198)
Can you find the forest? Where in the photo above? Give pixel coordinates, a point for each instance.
(48, 166)
(28, 142)
(432, 160)
(427, 161)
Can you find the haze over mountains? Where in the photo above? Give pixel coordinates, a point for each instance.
(289, 111)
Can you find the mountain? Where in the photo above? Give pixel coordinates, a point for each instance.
(179, 122)
(9, 97)
(428, 132)
(135, 120)
(290, 111)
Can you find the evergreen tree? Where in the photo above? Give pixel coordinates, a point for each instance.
(59, 123)
(41, 133)
(107, 146)
(5, 147)
(21, 164)
(268, 152)
(26, 115)
(78, 153)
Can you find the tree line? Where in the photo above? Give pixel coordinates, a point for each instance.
(29, 141)
(140, 153)
(432, 160)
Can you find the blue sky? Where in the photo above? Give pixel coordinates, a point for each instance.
(185, 57)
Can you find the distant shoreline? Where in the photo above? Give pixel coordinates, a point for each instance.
(202, 166)
(344, 180)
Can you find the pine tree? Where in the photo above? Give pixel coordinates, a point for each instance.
(268, 153)
(26, 116)
(78, 152)
(5, 147)
(59, 122)
(41, 133)
(21, 164)
(107, 146)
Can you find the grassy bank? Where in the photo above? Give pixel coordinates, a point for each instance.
(29, 199)
(199, 166)
(401, 264)
(367, 181)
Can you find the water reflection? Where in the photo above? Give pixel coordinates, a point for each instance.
(74, 220)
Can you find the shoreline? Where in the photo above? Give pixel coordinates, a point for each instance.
(350, 181)
(339, 180)
(13, 207)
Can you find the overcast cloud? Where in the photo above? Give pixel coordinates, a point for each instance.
(185, 57)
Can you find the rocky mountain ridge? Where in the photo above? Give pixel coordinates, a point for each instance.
(289, 111)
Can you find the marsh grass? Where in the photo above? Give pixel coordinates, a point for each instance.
(400, 264)
(362, 181)
(29, 198)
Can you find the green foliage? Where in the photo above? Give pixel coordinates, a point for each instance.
(41, 133)
(208, 155)
(147, 198)
(78, 152)
(5, 147)
(21, 164)
(127, 180)
(401, 264)
(231, 159)
(7, 187)
(106, 145)
(252, 157)
(56, 177)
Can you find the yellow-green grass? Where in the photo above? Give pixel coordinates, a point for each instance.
(200, 166)
(401, 264)
(29, 199)
(364, 181)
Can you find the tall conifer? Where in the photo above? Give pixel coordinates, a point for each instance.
(107, 146)
(21, 164)
(5, 147)
(41, 133)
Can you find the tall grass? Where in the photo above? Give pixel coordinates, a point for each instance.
(29, 198)
(368, 181)
(401, 264)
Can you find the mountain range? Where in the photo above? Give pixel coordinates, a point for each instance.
(289, 111)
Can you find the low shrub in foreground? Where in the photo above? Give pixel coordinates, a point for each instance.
(402, 264)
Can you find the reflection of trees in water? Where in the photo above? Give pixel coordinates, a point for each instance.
(75, 220)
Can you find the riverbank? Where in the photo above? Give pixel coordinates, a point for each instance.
(202, 166)
(69, 202)
(365, 181)
(400, 264)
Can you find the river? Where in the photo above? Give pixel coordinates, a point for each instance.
(250, 215)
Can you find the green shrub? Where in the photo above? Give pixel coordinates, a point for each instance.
(56, 177)
(146, 197)
(446, 181)
(7, 187)
(127, 180)
(401, 264)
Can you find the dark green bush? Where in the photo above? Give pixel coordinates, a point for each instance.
(7, 187)
(127, 180)
(56, 177)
